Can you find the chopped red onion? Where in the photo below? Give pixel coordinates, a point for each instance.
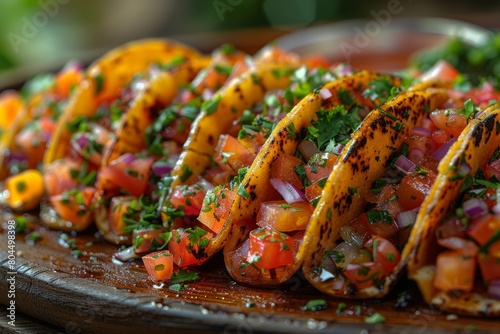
(416, 155)
(338, 283)
(496, 208)
(325, 93)
(479, 113)
(351, 267)
(494, 289)
(406, 218)
(46, 136)
(288, 191)
(464, 168)
(420, 131)
(441, 152)
(74, 64)
(82, 141)
(127, 158)
(363, 112)
(12, 156)
(338, 149)
(428, 124)
(161, 168)
(475, 207)
(207, 94)
(205, 185)
(307, 148)
(343, 69)
(404, 164)
(126, 254)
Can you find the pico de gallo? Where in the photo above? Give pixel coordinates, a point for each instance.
(370, 245)
(71, 182)
(33, 118)
(205, 203)
(135, 183)
(471, 236)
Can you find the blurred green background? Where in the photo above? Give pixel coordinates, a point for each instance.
(44, 34)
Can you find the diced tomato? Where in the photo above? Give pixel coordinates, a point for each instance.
(428, 124)
(284, 217)
(320, 166)
(68, 78)
(317, 60)
(451, 228)
(283, 169)
(413, 189)
(384, 252)
(214, 79)
(423, 143)
(190, 197)
(490, 197)
(129, 174)
(61, 175)
(254, 142)
(490, 267)
(74, 206)
(90, 144)
(159, 265)
(148, 239)
(24, 189)
(33, 138)
(218, 175)
(273, 53)
(376, 227)
(441, 70)
(461, 245)
(177, 130)
(482, 96)
(119, 207)
(364, 275)
(449, 120)
(439, 137)
(454, 271)
(270, 249)
(230, 151)
(486, 230)
(10, 104)
(216, 207)
(386, 193)
(188, 246)
(493, 169)
(314, 190)
(428, 163)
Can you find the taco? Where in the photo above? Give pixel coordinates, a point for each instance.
(277, 197)
(29, 119)
(454, 250)
(115, 86)
(201, 167)
(148, 142)
(373, 196)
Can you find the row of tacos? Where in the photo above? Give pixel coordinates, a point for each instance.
(280, 162)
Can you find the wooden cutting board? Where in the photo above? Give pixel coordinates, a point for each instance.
(93, 294)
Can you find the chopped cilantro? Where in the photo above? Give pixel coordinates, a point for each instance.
(316, 305)
(375, 318)
(99, 83)
(241, 191)
(210, 106)
(186, 172)
(468, 110)
(379, 216)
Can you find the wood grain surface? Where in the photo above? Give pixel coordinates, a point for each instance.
(93, 294)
